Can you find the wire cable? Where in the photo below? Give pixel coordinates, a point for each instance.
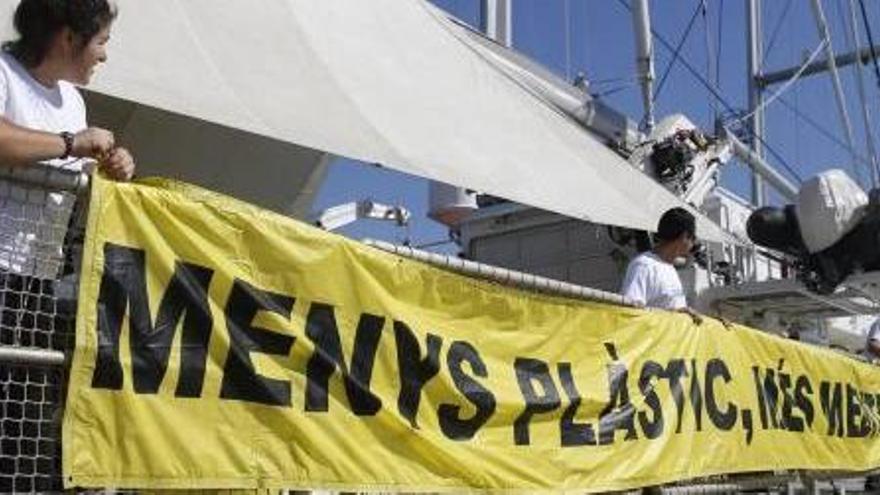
(717, 95)
(566, 19)
(870, 40)
(855, 42)
(709, 52)
(818, 127)
(719, 44)
(676, 52)
(788, 83)
(775, 33)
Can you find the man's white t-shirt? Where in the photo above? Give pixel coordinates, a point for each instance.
(653, 282)
(873, 335)
(33, 222)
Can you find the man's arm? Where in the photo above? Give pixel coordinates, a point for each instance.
(697, 318)
(23, 146)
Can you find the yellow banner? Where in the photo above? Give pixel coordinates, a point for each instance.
(223, 346)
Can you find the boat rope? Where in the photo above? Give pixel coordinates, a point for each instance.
(676, 52)
(782, 89)
(870, 40)
(566, 21)
(776, 29)
(710, 62)
(839, 95)
(855, 42)
(719, 43)
(817, 127)
(718, 96)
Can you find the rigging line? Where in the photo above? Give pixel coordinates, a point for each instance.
(628, 79)
(784, 87)
(719, 44)
(675, 53)
(817, 127)
(856, 45)
(776, 30)
(567, 32)
(839, 96)
(715, 94)
(709, 61)
(870, 40)
(616, 89)
(775, 154)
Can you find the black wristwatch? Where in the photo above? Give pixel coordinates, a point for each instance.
(68, 143)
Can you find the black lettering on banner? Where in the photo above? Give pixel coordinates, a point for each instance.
(619, 414)
(723, 420)
(529, 371)
(451, 424)
(789, 421)
(876, 415)
(322, 330)
(867, 424)
(675, 370)
(696, 396)
(768, 394)
(414, 370)
(240, 378)
(853, 412)
(831, 398)
(869, 417)
(803, 391)
(124, 285)
(573, 434)
(652, 428)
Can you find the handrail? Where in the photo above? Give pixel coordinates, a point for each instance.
(47, 176)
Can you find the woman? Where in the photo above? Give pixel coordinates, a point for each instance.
(60, 44)
(43, 119)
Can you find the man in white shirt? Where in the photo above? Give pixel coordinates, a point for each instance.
(872, 343)
(651, 279)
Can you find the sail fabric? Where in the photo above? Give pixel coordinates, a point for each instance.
(387, 81)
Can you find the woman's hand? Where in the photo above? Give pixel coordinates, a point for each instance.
(118, 164)
(93, 142)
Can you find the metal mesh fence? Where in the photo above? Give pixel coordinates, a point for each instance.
(30, 456)
(38, 232)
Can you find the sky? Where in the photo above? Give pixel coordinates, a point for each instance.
(595, 37)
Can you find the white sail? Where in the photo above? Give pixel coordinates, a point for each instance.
(384, 81)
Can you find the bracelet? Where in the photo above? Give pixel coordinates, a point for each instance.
(68, 143)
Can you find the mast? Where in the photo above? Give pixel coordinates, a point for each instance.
(496, 20)
(644, 59)
(754, 51)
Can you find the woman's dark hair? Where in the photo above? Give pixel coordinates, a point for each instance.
(676, 222)
(38, 21)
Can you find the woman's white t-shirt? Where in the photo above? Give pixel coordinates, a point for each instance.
(33, 222)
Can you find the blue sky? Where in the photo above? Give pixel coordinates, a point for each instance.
(595, 37)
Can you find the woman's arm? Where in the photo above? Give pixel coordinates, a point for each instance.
(23, 146)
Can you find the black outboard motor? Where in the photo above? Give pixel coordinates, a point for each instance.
(821, 272)
(778, 229)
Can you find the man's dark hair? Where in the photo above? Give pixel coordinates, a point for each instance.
(38, 21)
(675, 222)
